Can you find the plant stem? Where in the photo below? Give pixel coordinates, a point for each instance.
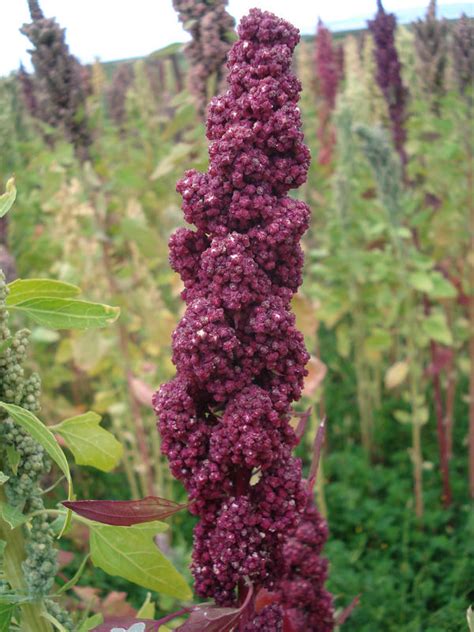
(14, 554)
(471, 323)
(441, 430)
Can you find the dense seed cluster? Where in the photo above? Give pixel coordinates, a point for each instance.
(389, 77)
(329, 73)
(58, 80)
(463, 53)
(224, 419)
(22, 459)
(431, 48)
(301, 593)
(211, 29)
(117, 93)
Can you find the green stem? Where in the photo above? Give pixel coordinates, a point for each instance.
(14, 555)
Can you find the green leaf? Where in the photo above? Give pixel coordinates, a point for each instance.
(470, 618)
(403, 416)
(421, 281)
(436, 327)
(6, 612)
(90, 444)
(12, 515)
(23, 289)
(91, 622)
(42, 435)
(57, 625)
(13, 459)
(3, 545)
(131, 553)
(442, 288)
(7, 199)
(147, 609)
(63, 313)
(3, 478)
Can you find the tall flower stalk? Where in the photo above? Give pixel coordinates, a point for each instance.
(211, 29)
(328, 70)
(431, 49)
(30, 557)
(389, 76)
(58, 79)
(463, 53)
(224, 418)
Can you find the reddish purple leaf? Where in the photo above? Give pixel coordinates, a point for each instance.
(318, 444)
(208, 618)
(124, 513)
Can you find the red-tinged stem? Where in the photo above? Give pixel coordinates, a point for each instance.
(318, 445)
(449, 407)
(471, 392)
(173, 615)
(440, 420)
(471, 339)
(440, 427)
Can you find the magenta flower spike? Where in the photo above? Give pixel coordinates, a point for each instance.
(240, 361)
(329, 71)
(389, 77)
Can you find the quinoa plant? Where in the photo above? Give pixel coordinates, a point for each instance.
(224, 418)
(117, 93)
(462, 50)
(431, 48)
(328, 70)
(388, 76)
(59, 84)
(211, 29)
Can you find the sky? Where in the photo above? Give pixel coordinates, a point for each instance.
(110, 30)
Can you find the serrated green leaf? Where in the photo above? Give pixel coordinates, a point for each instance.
(436, 327)
(12, 515)
(23, 289)
(63, 313)
(42, 435)
(8, 198)
(89, 443)
(131, 553)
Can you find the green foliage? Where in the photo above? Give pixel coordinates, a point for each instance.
(7, 199)
(89, 442)
(42, 435)
(131, 552)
